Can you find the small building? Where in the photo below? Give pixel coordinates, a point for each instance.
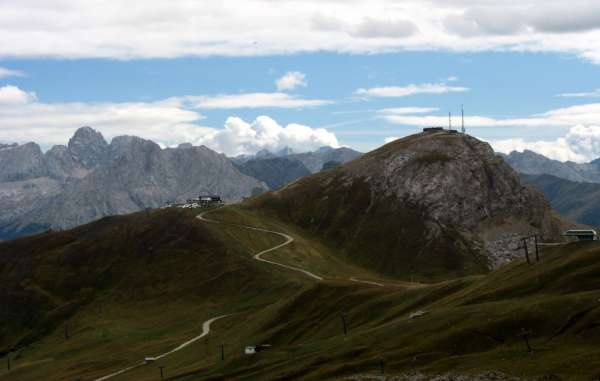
(582, 234)
(433, 129)
(208, 200)
(254, 349)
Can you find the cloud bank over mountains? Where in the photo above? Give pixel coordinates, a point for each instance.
(95, 28)
(581, 144)
(171, 121)
(240, 137)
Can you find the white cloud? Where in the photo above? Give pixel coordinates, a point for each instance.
(291, 80)
(240, 137)
(412, 89)
(407, 110)
(12, 95)
(580, 144)
(167, 122)
(253, 100)
(5, 72)
(588, 94)
(390, 139)
(383, 28)
(586, 114)
(125, 30)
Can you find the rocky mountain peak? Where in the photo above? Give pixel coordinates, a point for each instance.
(21, 162)
(88, 147)
(428, 202)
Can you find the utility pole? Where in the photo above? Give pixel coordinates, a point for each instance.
(537, 252)
(525, 335)
(222, 352)
(344, 323)
(526, 250)
(8, 361)
(462, 113)
(449, 120)
(162, 376)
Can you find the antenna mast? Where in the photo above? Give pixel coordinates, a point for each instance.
(449, 120)
(462, 113)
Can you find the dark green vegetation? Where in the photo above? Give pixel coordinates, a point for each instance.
(576, 200)
(187, 271)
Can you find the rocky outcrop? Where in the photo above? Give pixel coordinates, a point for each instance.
(431, 203)
(88, 147)
(21, 162)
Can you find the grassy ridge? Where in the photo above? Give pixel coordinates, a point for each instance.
(470, 324)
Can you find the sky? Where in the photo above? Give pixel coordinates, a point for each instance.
(241, 76)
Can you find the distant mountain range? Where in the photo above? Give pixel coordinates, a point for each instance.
(573, 189)
(577, 201)
(282, 167)
(531, 163)
(89, 178)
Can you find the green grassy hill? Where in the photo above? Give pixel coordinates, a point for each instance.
(143, 284)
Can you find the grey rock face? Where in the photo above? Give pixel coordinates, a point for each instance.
(431, 200)
(22, 162)
(275, 172)
(314, 160)
(460, 182)
(531, 163)
(88, 147)
(70, 186)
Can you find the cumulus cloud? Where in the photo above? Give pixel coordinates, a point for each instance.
(168, 122)
(412, 89)
(253, 100)
(241, 137)
(5, 72)
(291, 80)
(12, 95)
(580, 144)
(257, 27)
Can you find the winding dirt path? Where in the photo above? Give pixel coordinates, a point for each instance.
(288, 239)
(205, 331)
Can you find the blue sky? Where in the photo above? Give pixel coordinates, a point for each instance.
(512, 96)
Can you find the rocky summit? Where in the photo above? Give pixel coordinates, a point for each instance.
(89, 179)
(431, 203)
